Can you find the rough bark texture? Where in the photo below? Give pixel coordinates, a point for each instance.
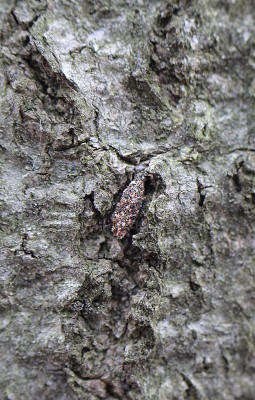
(92, 93)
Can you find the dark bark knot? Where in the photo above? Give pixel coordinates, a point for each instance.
(128, 208)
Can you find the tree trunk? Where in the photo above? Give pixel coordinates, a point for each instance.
(95, 95)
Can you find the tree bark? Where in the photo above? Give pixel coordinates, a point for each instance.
(94, 94)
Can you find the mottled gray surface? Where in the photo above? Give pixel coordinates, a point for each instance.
(92, 92)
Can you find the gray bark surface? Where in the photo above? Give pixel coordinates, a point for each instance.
(92, 93)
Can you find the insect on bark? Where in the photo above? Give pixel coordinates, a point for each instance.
(128, 208)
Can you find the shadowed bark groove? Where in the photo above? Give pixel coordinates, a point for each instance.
(94, 93)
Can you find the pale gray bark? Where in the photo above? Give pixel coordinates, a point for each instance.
(92, 92)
